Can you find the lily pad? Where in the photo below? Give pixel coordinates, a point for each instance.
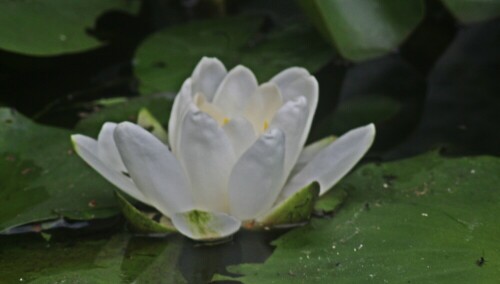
(167, 58)
(365, 29)
(426, 219)
(128, 110)
(118, 258)
(54, 27)
(42, 179)
(469, 11)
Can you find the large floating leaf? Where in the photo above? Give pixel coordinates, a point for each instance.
(43, 179)
(109, 259)
(127, 110)
(168, 57)
(423, 220)
(469, 11)
(54, 27)
(364, 29)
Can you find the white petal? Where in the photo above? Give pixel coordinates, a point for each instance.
(256, 179)
(207, 77)
(292, 119)
(288, 76)
(296, 82)
(240, 133)
(263, 105)
(153, 168)
(181, 105)
(106, 148)
(207, 157)
(211, 109)
(310, 151)
(86, 148)
(235, 90)
(205, 226)
(333, 162)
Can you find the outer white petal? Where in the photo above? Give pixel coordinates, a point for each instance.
(292, 119)
(153, 168)
(310, 151)
(296, 82)
(235, 90)
(207, 157)
(86, 148)
(256, 179)
(263, 105)
(106, 148)
(181, 105)
(205, 226)
(207, 77)
(289, 75)
(241, 134)
(333, 162)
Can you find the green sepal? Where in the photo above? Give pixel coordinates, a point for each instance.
(330, 201)
(143, 222)
(296, 209)
(147, 121)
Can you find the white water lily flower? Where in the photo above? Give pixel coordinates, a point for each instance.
(235, 152)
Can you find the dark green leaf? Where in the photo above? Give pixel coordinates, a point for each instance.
(54, 27)
(168, 57)
(158, 105)
(364, 29)
(43, 179)
(427, 219)
(469, 11)
(117, 258)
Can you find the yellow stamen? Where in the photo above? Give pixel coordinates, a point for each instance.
(225, 121)
(266, 125)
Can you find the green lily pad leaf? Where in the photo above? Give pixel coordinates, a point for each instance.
(144, 222)
(54, 27)
(118, 258)
(146, 120)
(426, 219)
(158, 105)
(42, 179)
(363, 29)
(168, 57)
(294, 210)
(470, 11)
(331, 200)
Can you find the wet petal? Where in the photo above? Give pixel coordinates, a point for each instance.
(240, 133)
(235, 90)
(153, 168)
(296, 82)
(207, 76)
(310, 151)
(208, 108)
(181, 105)
(86, 148)
(262, 106)
(205, 225)
(256, 179)
(207, 157)
(292, 119)
(333, 162)
(106, 148)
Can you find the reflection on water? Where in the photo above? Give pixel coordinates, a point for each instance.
(107, 257)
